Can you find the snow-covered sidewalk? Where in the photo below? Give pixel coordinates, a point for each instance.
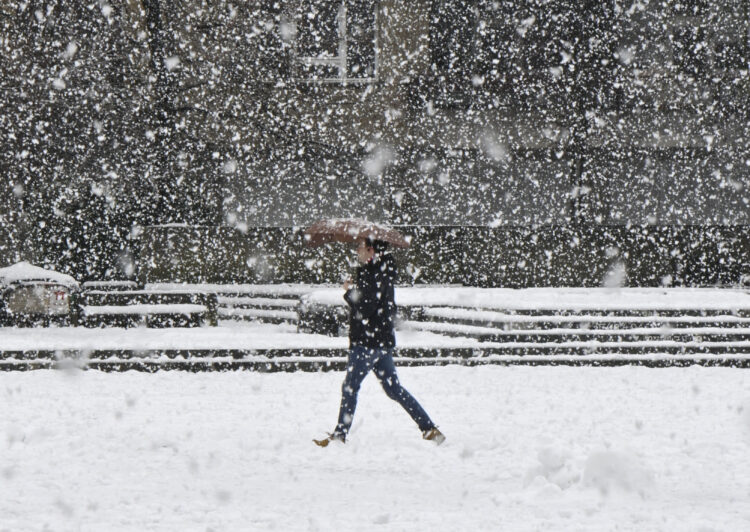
(545, 448)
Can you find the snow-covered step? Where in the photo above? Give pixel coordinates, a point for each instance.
(269, 307)
(335, 359)
(633, 346)
(143, 309)
(624, 338)
(269, 315)
(257, 302)
(592, 318)
(474, 330)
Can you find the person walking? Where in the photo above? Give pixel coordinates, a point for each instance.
(371, 340)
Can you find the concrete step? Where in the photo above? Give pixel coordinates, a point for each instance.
(257, 302)
(258, 314)
(592, 319)
(490, 334)
(335, 359)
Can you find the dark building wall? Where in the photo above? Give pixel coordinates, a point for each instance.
(504, 116)
(73, 94)
(549, 255)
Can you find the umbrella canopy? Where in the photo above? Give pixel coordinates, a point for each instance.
(352, 230)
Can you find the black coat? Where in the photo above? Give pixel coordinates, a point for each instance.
(372, 307)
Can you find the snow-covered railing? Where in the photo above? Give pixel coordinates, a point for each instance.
(264, 309)
(265, 303)
(152, 308)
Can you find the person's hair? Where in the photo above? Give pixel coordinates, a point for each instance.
(378, 245)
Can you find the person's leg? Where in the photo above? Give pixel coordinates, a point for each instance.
(385, 370)
(358, 366)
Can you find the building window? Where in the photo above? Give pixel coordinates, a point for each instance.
(334, 41)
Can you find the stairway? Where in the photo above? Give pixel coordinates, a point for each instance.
(550, 331)
(453, 325)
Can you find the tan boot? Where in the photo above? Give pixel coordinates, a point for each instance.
(331, 437)
(434, 435)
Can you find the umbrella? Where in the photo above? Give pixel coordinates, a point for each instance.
(351, 230)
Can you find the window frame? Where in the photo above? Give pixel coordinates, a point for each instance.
(339, 61)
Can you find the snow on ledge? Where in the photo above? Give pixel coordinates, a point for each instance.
(143, 309)
(24, 271)
(570, 299)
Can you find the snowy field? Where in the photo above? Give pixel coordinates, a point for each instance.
(529, 448)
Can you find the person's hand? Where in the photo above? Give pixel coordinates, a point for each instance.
(347, 284)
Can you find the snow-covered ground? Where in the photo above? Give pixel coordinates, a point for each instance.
(529, 448)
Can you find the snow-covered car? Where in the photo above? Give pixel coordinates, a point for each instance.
(30, 295)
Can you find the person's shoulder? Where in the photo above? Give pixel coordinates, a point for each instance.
(387, 264)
